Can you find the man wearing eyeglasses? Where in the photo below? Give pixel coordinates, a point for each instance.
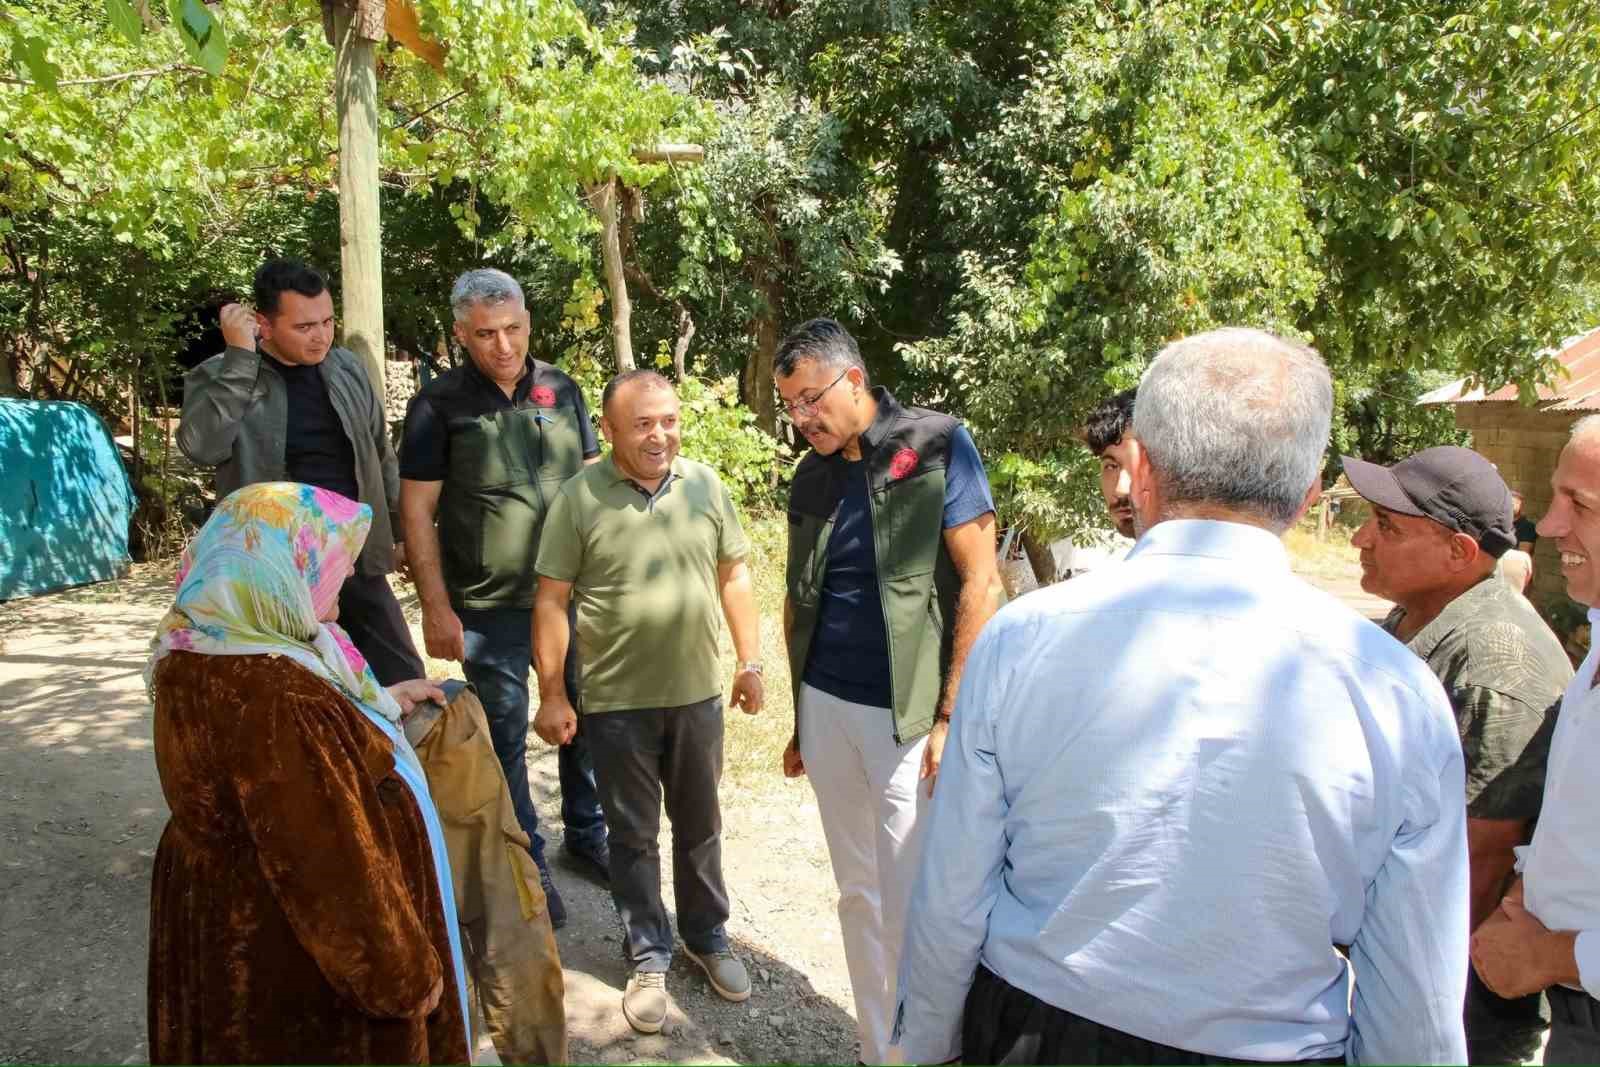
(891, 575)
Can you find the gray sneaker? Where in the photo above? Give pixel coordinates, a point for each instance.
(728, 976)
(644, 1002)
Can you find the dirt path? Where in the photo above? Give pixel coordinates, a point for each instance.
(81, 812)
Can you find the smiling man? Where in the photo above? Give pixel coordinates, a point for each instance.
(283, 402)
(891, 575)
(1109, 434)
(1546, 934)
(648, 544)
(1440, 521)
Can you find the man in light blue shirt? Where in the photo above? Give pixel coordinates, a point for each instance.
(1175, 787)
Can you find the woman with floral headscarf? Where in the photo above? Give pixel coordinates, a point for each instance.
(301, 907)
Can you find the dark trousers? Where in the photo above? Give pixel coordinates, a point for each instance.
(1574, 1027)
(1501, 1030)
(371, 615)
(1003, 1024)
(640, 758)
(499, 646)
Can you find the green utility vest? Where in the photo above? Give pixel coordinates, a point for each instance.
(504, 470)
(906, 450)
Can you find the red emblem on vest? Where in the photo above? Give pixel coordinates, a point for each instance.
(903, 463)
(543, 396)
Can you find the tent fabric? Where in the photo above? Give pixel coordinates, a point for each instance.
(65, 500)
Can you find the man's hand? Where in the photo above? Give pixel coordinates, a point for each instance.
(401, 566)
(417, 691)
(1515, 954)
(749, 693)
(793, 765)
(933, 753)
(442, 635)
(556, 722)
(239, 326)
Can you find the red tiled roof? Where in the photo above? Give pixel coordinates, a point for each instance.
(1577, 387)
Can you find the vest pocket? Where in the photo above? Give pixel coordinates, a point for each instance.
(483, 453)
(560, 444)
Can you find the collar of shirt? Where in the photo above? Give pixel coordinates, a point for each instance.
(615, 476)
(888, 408)
(1471, 603)
(519, 392)
(1213, 539)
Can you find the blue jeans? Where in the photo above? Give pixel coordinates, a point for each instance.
(499, 645)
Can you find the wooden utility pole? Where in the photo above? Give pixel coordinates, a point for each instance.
(357, 28)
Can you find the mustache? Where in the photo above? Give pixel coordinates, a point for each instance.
(1122, 502)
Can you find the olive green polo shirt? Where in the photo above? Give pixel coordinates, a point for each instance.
(643, 569)
(1505, 672)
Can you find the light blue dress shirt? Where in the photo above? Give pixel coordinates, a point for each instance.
(1171, 787)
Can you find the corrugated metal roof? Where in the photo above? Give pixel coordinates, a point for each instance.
(1577, 388)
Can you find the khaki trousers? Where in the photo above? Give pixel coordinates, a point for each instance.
(511, 950)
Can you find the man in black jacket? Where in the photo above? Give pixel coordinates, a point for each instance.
(283, 403)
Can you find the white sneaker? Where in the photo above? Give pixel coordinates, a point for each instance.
(644, 1002)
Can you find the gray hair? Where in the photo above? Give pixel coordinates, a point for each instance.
(1584, 428)
(1236, 418)
(484, 285)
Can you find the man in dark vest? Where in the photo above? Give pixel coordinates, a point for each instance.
(486, 446)
(284, 403)
(891, 575)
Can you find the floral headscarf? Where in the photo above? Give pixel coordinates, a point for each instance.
(260, 574)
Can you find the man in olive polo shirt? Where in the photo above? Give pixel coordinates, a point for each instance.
(650, 546)
(1440, 520)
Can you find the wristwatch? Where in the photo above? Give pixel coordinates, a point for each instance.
(753, 666)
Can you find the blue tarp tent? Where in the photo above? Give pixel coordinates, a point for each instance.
(65, 501)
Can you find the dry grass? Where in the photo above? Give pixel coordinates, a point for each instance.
(1327, 556)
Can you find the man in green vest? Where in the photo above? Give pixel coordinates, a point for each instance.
(486, 446)
(891, 575)
(648, 545)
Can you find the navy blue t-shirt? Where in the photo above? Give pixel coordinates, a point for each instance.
(849, 655)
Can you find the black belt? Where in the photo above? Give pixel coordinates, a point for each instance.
(1574, 1007)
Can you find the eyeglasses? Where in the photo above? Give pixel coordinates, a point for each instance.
(808, 407)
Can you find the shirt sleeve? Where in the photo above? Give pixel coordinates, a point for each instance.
(1505, 744)
(731, 541)
(1587, 950)
(966, 484)
(424, 443)
(959, 880)
(591, 443)
(1410, 953)
(560, 542)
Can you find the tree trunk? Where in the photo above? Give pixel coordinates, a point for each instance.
(8, 374)
(355, 92)
(680, 348)
(757, 382)
(603, 198)
(1040, 558)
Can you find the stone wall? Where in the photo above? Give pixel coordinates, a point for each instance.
(1524, 443)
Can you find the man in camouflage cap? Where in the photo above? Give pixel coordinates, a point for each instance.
(1441, 520)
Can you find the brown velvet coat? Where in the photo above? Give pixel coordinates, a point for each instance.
(294, 913)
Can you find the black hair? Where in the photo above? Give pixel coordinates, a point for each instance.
(1110, 419)
(648, 377)
(823, 340)
(278, 276)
